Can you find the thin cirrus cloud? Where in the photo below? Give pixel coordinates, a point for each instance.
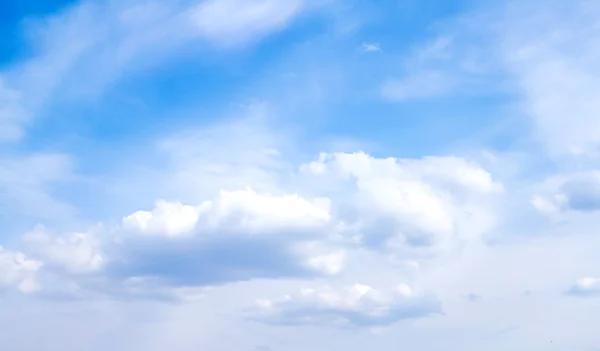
(237, 22)
(552, 69)
(100, 41)
(554, 58)
(27, 183)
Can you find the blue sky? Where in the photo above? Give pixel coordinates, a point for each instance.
(299, 174)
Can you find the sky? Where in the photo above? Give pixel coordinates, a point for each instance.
(263, 175)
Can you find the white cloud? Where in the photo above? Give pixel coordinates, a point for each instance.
(244, 211)
(407, 202)
(553, 53)
(548, 206)
(586, 286)
(16, 269)
(242, 223)
(100, 42)
(371, 47)
(255, 212)
(239, 235)
(76, 253)
(329, 263)
(231, 22)
(359, 305)
(575, 192)
(167, 218)
(410, 208)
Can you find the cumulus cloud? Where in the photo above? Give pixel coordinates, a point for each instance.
(75, 253)
(395, 205)
(356, 306)
(243, 212)
(240, 235)
(408, 202)
(167, 218)
(18, 270)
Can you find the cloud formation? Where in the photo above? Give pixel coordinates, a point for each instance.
(16, 270)
(586, 286)
(356, 306)
(101, 41)
(403, 206)
(184, 159)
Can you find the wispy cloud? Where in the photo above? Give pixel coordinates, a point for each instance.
(553, 53)
(27, 183)
(418, 86)
(371, 47)
(234, 22)
(85, 48)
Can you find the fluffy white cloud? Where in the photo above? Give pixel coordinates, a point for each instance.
(16, 269)
(417, 202)
(76, 253)
(239, 235)
(167, 218)
(390, 204)
(358, 305)
(244, 211)
(255, 213)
